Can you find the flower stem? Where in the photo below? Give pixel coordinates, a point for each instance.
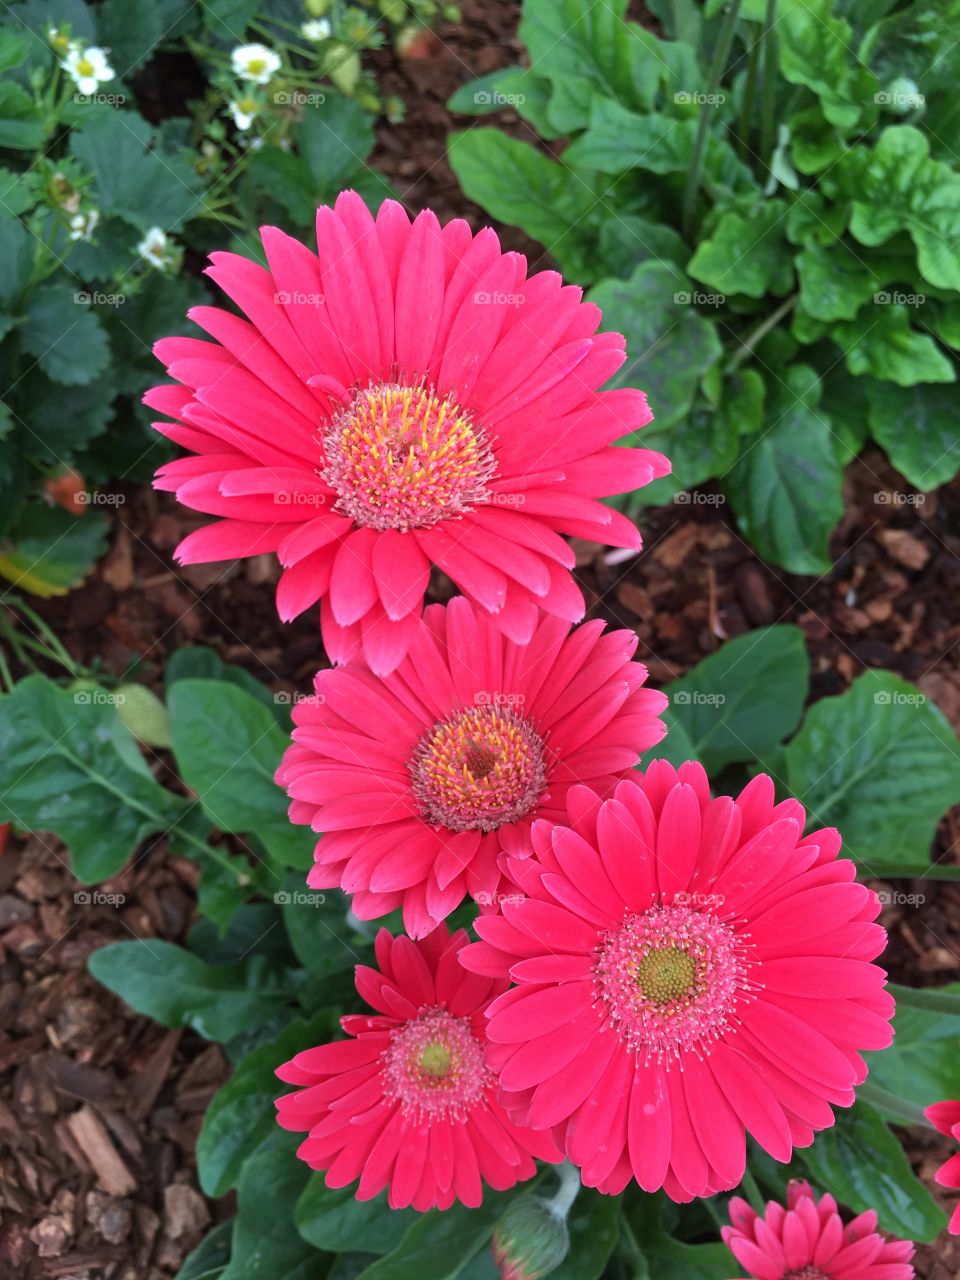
(720, 54)
(569, 1176)
(928, 998)
(899, 1109)
(749, 1185)
(769, 93)
(759, 333)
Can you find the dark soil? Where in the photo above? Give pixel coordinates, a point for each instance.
(99, 1108)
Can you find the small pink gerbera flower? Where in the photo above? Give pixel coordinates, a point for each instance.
(687, 970)
(945, 1116)
(408, 398)
(409, 1103)
(420, 779)
(808, 1241)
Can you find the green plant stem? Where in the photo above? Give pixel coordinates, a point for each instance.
(929, 999)
(757, 335)
(769, 93)
(754, 1195)
(746, 106)
(5, 676)
(720, 54)
(899, 1108)
(569, 1189)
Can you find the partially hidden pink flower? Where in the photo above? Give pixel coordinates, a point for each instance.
(688, 970)
(407, 1102)
(808, 1241)
(422, 778)
(945, 1116)
(407, 397)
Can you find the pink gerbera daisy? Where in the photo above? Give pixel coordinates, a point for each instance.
(409, 1103)
(420, 779)
(687, 970)
(409, 397)
(945, 1116)
(808, 1241)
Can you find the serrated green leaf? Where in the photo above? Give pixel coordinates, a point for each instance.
(64, 335)
(919, 427)
(740, 702)
(21, 122)
(627, 240)
(897, 186)
(787, 487)
(922, 1065)
(836, 282)
(48, 551)
(881, 342)
(817, 51)
(16, 260)
(881, 763)
(815, 144)
(670, 343)
(864, 1166)
(747, 253)
(178, 989)
(68, 765)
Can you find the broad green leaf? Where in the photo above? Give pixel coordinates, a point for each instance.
(836, 282)
(816, 50)
(228, 746)
(919, 427)
(147, 188)
(670, 343)
(226, 19)
(208, 1260)
(846, 409)
(881, 342)
(815, 143)
(786, 488)
(194, 662)
(740, 702)
(49, 551)
(943, 318)
(910, 44)
(517, 88)
(64, 334)
(864, 1166)
(594, 1226)
(241, 1114)
(335, 137)
(922, 1065)
(17, 248)
(254, 930)
(266, 1245)
(316, 924)
(666, 1256)
(178, 989)
(811, 220)
(897, 186)
(21, 122)
(331, 1218)
(14, 46)
(627, 240)
(747, 253)
(881, 763)
(68, 765)
(520, 186)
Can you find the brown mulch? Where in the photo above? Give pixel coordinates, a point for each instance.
(99, 1108)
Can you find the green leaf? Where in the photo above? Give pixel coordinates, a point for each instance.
(881, 342)
(194, 662)
(667, 1257)
(208, 1259)
(316, 924)
(747, 253)
(49, 550)
(266, 1245)
(843, 403)
(834, 283)
(881, 763)
(815, 144)
(228, 746)
(16, 260)
(675, 747)
(787, 487)
(131, 30)
(147, 188)
(178, 989)
(515, 87)
(144, 714)
(68, 765)
(897, 186)
(520, 186)
(594, 1227)
(740, 702)
(14, 47)
(920, 429)
(64, 334)
(670, 344)
(629, 239)
(241, 1113)
(922, 1065)
(331, 1218)
(816, 50)
(861, 1163)
(909, 44)
(21, 122)
(618, 139)
(812, 221)
(335, 137)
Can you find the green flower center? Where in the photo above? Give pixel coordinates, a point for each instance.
(666, 974)
(435, 1059)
